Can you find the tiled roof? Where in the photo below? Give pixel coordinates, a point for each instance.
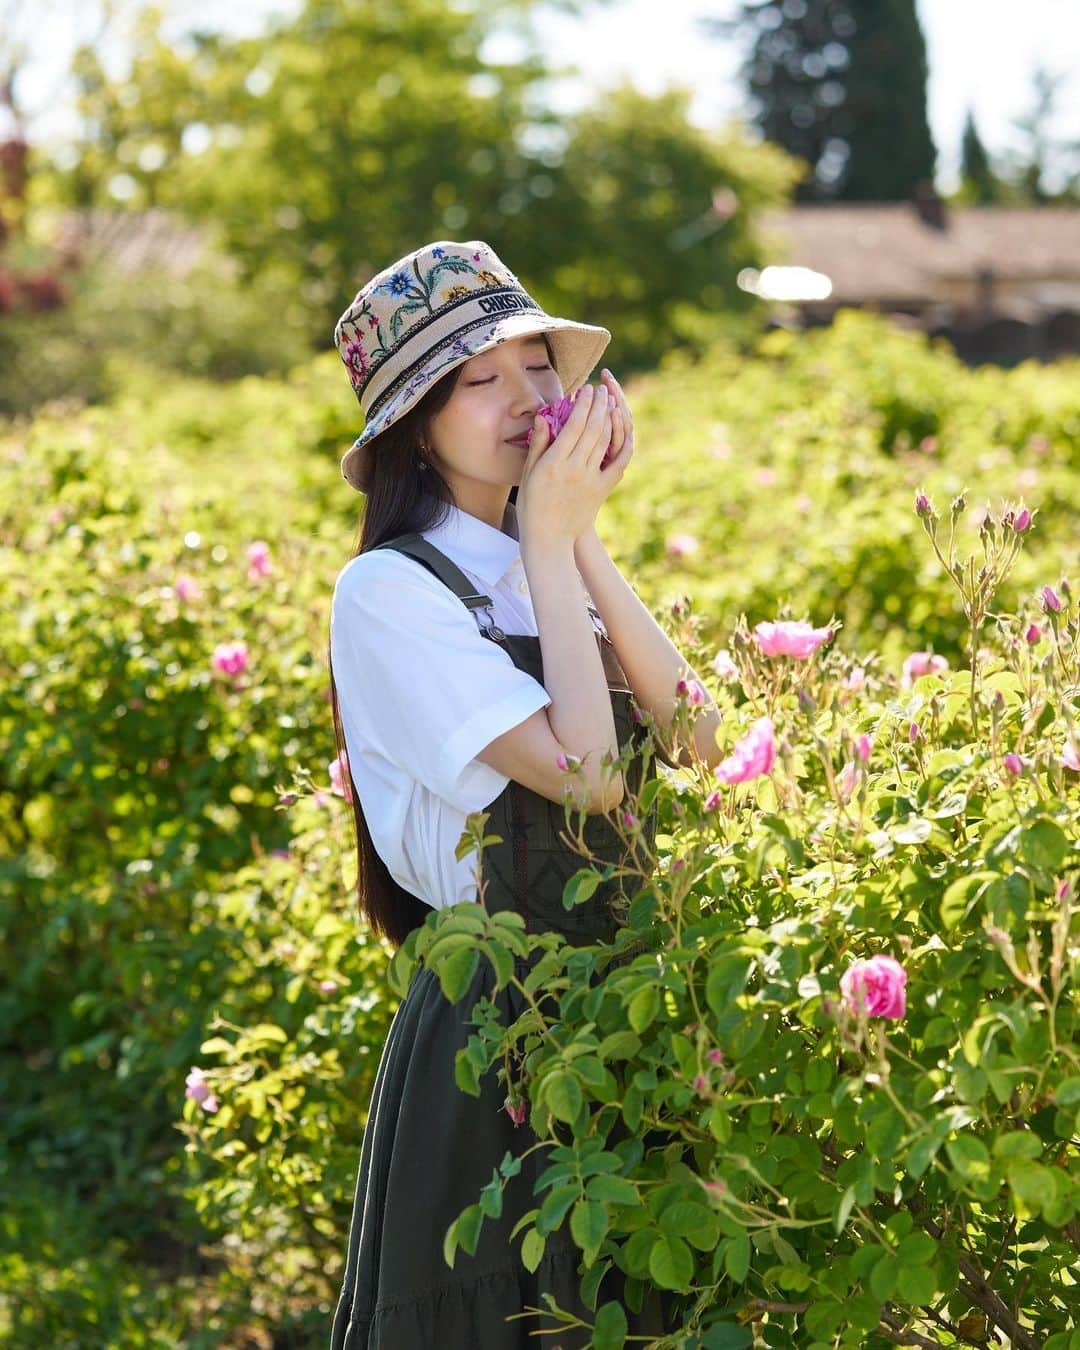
(887, 252)
(132, 240)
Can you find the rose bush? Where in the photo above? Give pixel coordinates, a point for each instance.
(176, 866)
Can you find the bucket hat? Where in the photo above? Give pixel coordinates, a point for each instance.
(430, 311)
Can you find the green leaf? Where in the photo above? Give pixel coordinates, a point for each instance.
(1018, 1144)
(456, 972)
(1067, 1092)
(1044, 845)
(726, 1336)
(671, 1264)
(1034, 1187)
(970, 1083)
(621, 1044)
(694, 1222)
(532, 1249)
(609, 1329)
(588, 1224)
(218, 1045)
(737, 1258)
(916, 1249)
(726, 981)
(883, 1278)
(612, 1190)
(917, 1284)
(643, 1007)
(843, 1209)
(580, 887)
(962, 896)
(555, 1205)
(561, 1092)
(969, 1156)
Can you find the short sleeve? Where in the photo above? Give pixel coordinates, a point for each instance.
(420, 679)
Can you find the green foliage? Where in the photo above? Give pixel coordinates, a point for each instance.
(853, 1172)
(350, 132)
(205, 323)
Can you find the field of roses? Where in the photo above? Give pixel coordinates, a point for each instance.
(834, 1097)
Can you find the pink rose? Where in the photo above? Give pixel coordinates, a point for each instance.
(922, 663)
(338, 785)
(786, 638)
(259, 559)
(1070, 758)
(1022, 521)
(724, 666)
(848, 780)
(187, 588)
(679, 545)
(198, 1089)
(877, 985)
(693, 691)
(752, 756)
(1051, 601)
(1032, 634)
(862, 747)
(230, 657)
(515, 1110)
(1014, 764)
(556, 416)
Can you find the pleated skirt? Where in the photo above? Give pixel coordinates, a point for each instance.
(428, 1149)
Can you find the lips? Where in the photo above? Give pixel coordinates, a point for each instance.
(522, 440)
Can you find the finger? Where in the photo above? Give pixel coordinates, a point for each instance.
(575, 424)
(620, 398)
(541, 435)
(597, 432)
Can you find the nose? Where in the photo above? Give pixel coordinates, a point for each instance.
(527, 397)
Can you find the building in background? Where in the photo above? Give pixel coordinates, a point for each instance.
(1001, 284)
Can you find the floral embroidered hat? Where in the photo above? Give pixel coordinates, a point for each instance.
(427, 313)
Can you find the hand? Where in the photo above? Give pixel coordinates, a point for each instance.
(562, 485)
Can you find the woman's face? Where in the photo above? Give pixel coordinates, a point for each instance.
(497, 395)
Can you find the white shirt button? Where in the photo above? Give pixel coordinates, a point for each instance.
(523, 586)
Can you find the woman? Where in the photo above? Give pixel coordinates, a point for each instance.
(469, 656)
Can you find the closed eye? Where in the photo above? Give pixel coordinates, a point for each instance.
(491, 377)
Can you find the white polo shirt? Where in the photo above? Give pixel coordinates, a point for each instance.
(422, 692)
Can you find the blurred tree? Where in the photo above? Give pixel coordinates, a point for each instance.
(979, 183)
(1042, 148)
(650, 221)
(344, 135)
(842, 85)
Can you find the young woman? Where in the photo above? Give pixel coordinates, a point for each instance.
(480, 632)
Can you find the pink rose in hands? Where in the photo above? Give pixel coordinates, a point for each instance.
(556, 416)
(877, 985)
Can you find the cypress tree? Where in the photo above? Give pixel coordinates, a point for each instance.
(979, 183)
(842, 85)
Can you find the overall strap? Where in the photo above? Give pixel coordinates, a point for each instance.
(416, 546)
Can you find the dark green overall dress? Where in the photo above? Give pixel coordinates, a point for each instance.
(429, 1148)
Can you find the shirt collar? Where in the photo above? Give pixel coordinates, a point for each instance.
(475, 545)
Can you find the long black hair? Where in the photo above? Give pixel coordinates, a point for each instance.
(401, 499)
